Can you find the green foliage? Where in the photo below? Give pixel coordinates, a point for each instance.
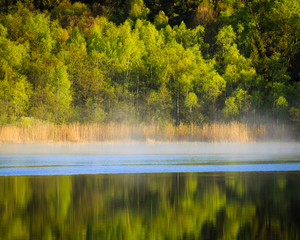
(138, 9)
(231, 109)
(295, 116)
(189, 37)
(20, 96)
(29, 122)
(242, 99)
(161, 20)
(280, 105)
(3, 31)
(191, 101)
(39, 33)
(159, 105)
(60, 84)
(278, 68)
(237, 105)
(225, 37)
(98, 115)
(213, 87)
(178, 61)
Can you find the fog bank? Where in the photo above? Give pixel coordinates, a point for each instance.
(153, 148)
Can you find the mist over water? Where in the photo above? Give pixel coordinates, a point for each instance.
(279, 148)
(73, 159)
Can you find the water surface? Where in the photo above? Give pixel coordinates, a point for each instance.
(147, 158)
(150, 191)
(151, 206)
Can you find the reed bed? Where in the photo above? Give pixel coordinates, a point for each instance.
(113, 132)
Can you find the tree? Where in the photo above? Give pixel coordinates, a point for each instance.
(159, 105)
(231, 109)
(60, 83)
(280, 107)
(15, 90)
(237, 70)
(237, 105)
(189, 37)
(242, 100)
(21, 93)
(39, 33)
(161, 20)
(295, 116)
(138, 9)
(209, 85)
(191, 103)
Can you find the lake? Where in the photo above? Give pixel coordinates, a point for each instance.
(150, 191)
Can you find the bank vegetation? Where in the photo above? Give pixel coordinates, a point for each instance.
(116, 133)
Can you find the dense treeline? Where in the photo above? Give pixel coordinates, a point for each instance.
(150, 62)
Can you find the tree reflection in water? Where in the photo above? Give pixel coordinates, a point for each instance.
(151, 206)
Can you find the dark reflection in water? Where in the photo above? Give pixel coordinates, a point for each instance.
(151, 206)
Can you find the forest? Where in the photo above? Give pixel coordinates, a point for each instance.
(150, 62)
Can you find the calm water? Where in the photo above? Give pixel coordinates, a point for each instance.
(99, 164)
(190, 192)
(151, 206)
(147, 158)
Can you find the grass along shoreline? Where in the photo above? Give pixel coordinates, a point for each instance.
(113, 132)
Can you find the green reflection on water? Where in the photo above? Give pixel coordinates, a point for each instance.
(151, 206)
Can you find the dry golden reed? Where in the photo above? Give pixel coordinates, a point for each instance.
(113, 132)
